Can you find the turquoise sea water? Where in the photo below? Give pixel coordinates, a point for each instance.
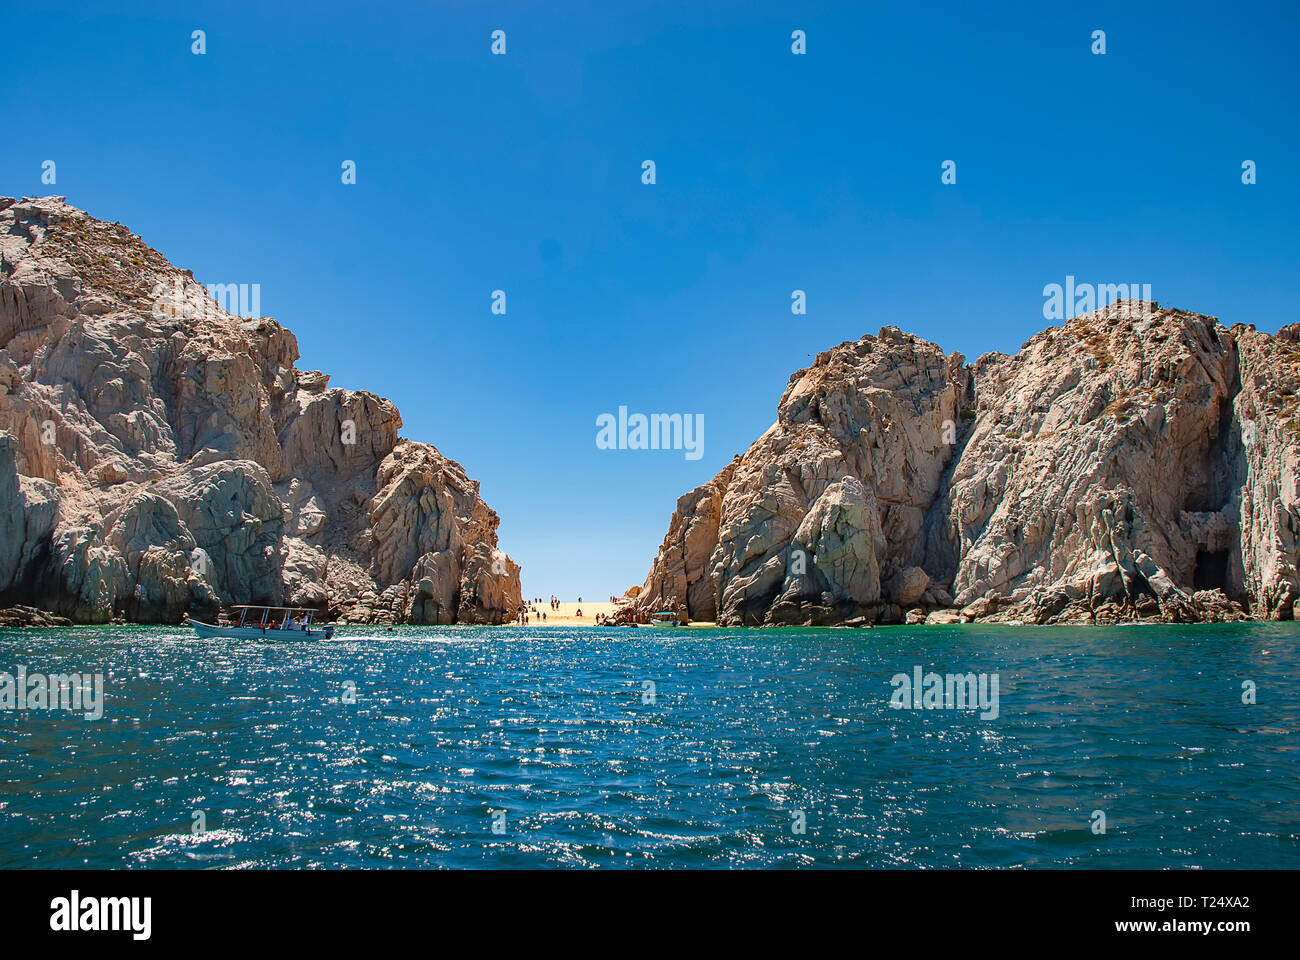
(657, 748)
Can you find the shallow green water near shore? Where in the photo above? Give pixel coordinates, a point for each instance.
(522, 747)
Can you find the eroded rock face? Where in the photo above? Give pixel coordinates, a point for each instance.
(160, 456)
(831, 501)
(1134, 463)
(681, 579)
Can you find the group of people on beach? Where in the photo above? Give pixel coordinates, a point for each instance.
(529, 610)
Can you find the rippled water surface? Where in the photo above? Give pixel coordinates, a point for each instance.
(685, 748)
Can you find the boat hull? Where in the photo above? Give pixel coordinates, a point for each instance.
(210, 631)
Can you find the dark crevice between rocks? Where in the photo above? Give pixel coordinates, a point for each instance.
(1218, 490)
(939, 552)
(1211, 570)
(1231, 473)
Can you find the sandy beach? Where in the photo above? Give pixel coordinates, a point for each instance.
(567, 614)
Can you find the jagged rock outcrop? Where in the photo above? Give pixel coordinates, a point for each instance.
(18, 617)
(1134, 463)
(159, 455)
(681, 575)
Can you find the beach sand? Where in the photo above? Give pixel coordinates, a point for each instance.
(567, 614)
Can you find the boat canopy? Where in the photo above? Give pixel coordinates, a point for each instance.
(258, 606)
(269, 614)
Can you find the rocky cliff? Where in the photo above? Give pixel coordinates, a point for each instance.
(159, 455)
(1136, 463)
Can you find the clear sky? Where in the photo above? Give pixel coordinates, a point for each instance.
(774, 172)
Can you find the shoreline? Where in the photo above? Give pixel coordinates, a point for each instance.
(26, 618)
(565, 615)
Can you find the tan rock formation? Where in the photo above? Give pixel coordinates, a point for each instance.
(1134, 463)
(159, 455)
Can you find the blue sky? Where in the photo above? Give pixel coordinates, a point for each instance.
(774, 172)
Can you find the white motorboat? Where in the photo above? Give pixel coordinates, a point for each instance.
(278, 624)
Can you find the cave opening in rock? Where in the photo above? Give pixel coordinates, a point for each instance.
(1211, 570)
